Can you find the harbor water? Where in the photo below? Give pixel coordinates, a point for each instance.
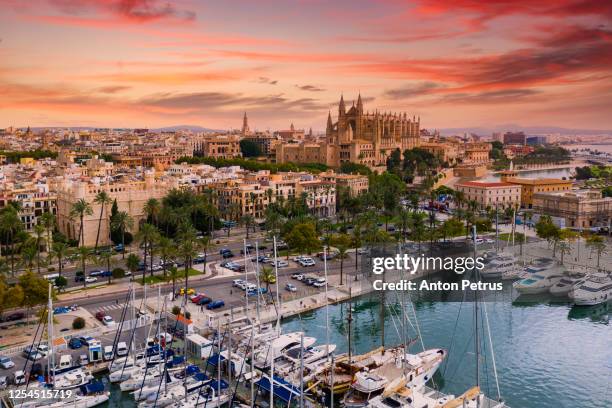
(548, 355)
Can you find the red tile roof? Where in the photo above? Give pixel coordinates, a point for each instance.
(486, 184)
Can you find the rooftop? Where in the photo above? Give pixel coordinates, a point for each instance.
(483, 184)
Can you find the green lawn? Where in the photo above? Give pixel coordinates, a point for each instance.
(160, 278)
(506, 236)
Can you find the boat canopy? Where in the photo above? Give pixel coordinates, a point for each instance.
(282, 389)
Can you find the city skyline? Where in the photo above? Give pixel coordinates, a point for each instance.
(116, 63)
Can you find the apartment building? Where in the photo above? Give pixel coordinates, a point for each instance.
(529, 187)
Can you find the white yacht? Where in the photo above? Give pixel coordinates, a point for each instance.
(593, 291)
(539, 282)
(501, 266)
(279, 346)
(209, 400)
(152, 376)
(409, 369)
(566, 284)
(311, 354)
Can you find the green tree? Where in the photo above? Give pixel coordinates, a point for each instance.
(84, 255)
(78, 323)
(61, 251)
(597, 244)
(303, 238)
(79, 210)
(147, 234)
(10, 227)
(342, 242)
(48, 222)
(152, 209)
(267, 276)
(61, 282)
(175, 276)
(35, 289)
(102, 199)
(166, 250)
(105, 259)
(133, 263)
(187, 250)
(452, 227)
(122, 222)
(249, 148)
(118, 273)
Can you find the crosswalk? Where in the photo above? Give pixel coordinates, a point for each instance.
(108, 308)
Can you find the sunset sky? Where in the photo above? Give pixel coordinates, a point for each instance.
(148, 63)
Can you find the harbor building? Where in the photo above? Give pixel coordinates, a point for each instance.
(581, 209)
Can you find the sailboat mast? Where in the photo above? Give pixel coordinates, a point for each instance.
(302, 371)
(51, 367)
(476, 337)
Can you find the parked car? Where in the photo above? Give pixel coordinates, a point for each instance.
(108, 353)
(306, 261)
(79, 278)
(122, 349)
(216, 304)
(3, 382)
(96, 273)
(489, 240)
(43, 349)
(200, 258)
(31, 353)
(319, 283)
(86, 340)
(309, 281)
(290, 287)
(100, 315)
(280, 264)
(328, 255)
(236, 282)
(227, 254)
(204, 300)
(14, 316)
(118, 248)
(196, 298)
(75, 343)
(190, 291)
(6, 363)
(297, 276)
(91, 279)
(255, 291)
(108, 321)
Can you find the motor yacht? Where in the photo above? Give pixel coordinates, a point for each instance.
(539, 282)
(501, 266)
(566, 284)
(593, 291)
(311, 354)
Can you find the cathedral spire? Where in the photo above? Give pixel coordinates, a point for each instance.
(329, 121)
(342, 108)
(359, 103)
(245, 124)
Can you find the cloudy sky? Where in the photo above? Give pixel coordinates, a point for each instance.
(149, 63)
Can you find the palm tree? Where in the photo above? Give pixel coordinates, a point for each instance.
(47, 220)
(10, 226)
(132, 263)
(187, 250)
(175, 276)
(247, 220)
(356, 239)
(598, 245)
(39, 230)
(79, 210)
(122, 222)
(152, 209)
(417, 227)
(60, 250)
(102, 199)
(205, 244)
(106, 259)
(84, 256)
(167, 250)
(28, 255)
(342, 243)
(147, 235)
(267, 276)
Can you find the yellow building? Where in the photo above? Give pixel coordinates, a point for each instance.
(490, 195)
(529, 187)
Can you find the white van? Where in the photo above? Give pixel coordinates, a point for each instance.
(19, 377)
(108, 353)
(122, 349)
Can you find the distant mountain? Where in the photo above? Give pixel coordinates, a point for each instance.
(530, 130)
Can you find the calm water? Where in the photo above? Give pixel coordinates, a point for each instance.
(547, 356)
(533, 174)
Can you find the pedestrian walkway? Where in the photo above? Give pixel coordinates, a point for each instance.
(108, 308)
